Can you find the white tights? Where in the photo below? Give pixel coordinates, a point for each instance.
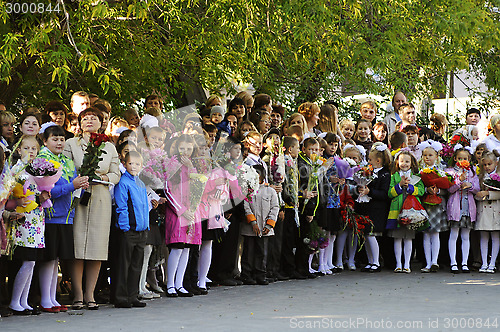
(176, 267)
(495, 245)
(329, 251)
(204, 263)
(452, 245)
(431, 248)
(351, 247)
(372, 250)
(48, 284)
(398, 248)
(21, 288)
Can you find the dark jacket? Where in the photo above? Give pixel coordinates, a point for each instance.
(377, 209)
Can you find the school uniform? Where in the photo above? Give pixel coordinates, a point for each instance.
(263, 210)
(133, 221)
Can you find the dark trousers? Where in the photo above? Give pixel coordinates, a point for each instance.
(302, 252)
(274, 252)
(130, 259)
(254, 257)
(224, 253)
(191, 275)
(290, 240)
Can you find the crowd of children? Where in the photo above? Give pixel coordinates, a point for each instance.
(243, 195)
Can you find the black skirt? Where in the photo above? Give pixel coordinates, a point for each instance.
(154, 235)
(59, 242)
(330, 220)
(28, 254)
(216, 234)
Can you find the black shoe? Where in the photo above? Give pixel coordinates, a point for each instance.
(174, 294)
(378, 269)
(203, 291)
(263, 282)
(123, 305)
(195, 290)
(25, 312)
(311, 276)
(249, 281)
(367, 268)
(270, 280)
(298, 276)
(138, 304)
(183, 294)
(238, 282)
(281, 277)
(229, 282)
(36, 311)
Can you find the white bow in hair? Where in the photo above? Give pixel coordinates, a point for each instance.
(436, 146)
(358, 147)
(46, 125)
(379, 146)
(322, 135)
(460, 146)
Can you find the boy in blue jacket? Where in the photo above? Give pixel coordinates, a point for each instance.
(133, 222)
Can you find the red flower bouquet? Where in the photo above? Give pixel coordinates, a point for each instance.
(434, 177)
(352, 220)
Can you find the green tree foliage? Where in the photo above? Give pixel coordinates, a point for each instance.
(295, 50)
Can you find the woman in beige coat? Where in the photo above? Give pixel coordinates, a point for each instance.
(92, 221)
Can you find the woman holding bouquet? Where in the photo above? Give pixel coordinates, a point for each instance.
(92, 221)
(59, 223)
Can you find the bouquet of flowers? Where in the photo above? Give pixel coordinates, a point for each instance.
(446, 153)
(363, 177)
(277, 164)
(158, 168)
(352, 220)
(316, 238)
(45, 174)
(92, 155)
(435, 177)
(493, 182)
(464, 165)
(318, 163)
(248, 178)
(90, 163)
(413, 214)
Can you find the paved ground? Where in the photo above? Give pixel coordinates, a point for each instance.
(350, 301)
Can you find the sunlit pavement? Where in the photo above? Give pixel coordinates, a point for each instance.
(349, 301)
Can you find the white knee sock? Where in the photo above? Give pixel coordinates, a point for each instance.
(408, 250)
(181, 268)
(495, 246)
(20, 292)
(398, 248)
(485, 237)
(339, 248)
(329, 251)
(172, 266)
(148, 249)
(465, 245)
(374, 250)
(204, 263)
(427, 250)
(435, 246)
(452, 245)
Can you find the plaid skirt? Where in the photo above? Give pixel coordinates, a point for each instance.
(438, 220)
